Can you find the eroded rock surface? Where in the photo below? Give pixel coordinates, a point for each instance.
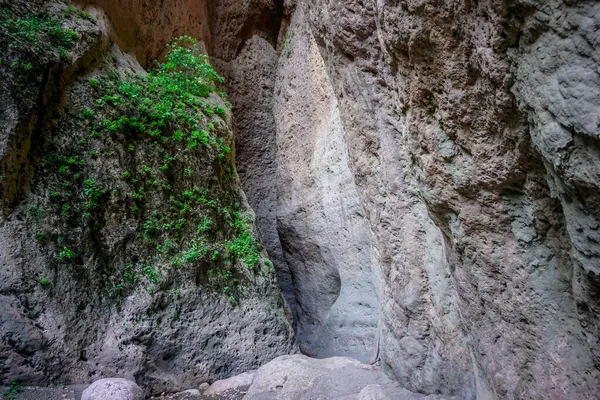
(89, 288)
(425, 174)
(470, 135)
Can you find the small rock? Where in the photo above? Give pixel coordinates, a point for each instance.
(238, 383)
(113, 389)
(372, 392)
(203, 387)
(192, 394)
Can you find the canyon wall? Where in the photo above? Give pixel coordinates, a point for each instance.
(127, 245)
(425, 179)
(466, 164)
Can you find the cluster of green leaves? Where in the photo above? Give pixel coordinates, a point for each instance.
(167, 126)
(11, 392)
(83, 14)
(35, 34)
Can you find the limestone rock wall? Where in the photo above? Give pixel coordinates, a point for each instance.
(320, 219)
(469, 129)
(425, 178)
(85, 292)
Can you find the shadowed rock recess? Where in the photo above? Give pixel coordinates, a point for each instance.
(425, 176)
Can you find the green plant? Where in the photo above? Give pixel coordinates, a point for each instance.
(83, 14)
(150, 226)
(44, 282)
(37, 214)
(39, 236)
(69, 11)
(35, 35)
(205, 225)
(66, 210)
(63, 53)
(11, 392)
(65, 254)
(151, 274)
(219, 110)
(87, 113)
(93, 194)
(178, 136)
(129, 275)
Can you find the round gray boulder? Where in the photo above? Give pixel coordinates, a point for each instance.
(113, 389)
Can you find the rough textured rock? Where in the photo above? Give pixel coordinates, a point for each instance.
(239, 382)
(240, 38)
(425, 174)
(113, 388)
(251, 80)
(71, 392)
(299, 377)
(190, 394)
(144, 28)
(320, 219)
(470, 133)
(68, 315)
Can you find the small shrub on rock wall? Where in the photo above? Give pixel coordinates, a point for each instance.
(149, 154)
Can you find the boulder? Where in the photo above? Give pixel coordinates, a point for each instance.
(299, 377)
(238, 383)
(113, 389)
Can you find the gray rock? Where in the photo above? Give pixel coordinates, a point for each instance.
(301, 378)
(72, 392)
(237, 383)
(320, 219)
(113, 389)
(191, 394)
(250, 79)
(468, 145)
(203, 387)
(77, 318)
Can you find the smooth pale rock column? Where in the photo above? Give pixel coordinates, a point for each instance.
(320, 220)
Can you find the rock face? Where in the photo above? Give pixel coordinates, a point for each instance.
(251, 80)
(320, 219)
(127, 246)
(425, 176)
(224, 26)
(449, 147)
